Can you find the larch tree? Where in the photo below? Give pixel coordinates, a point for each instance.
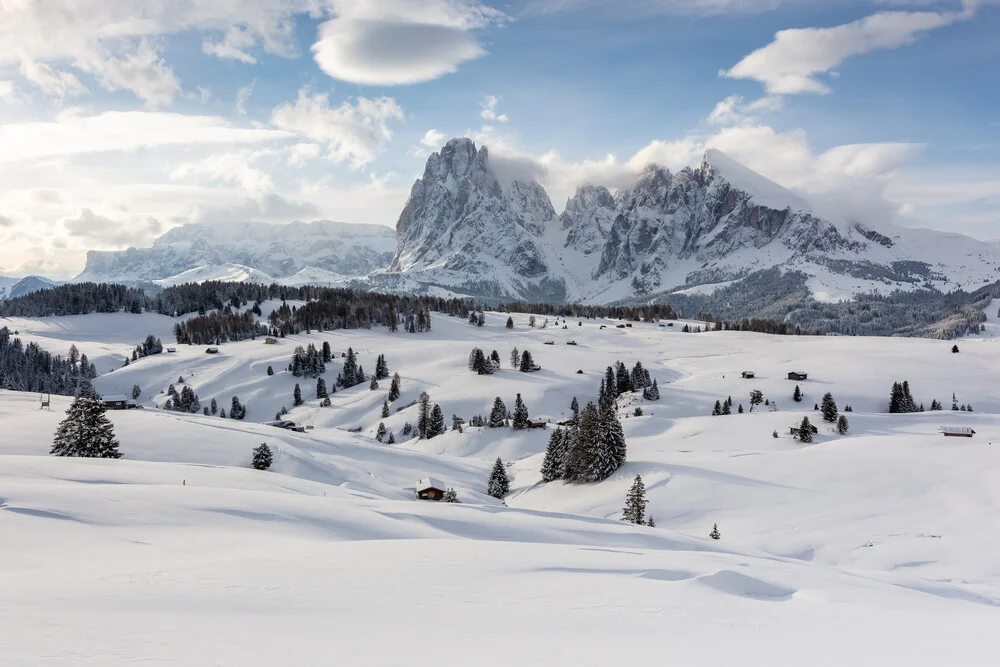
(635, 503)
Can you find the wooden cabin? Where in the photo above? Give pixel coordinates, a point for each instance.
(571, 342)
(797, 375)
(212, 350)
(171, 349)
(748, 375)
(537, 424)
(957, 431)
(795, 430)
(429, 488)
(270, 341)
(115, 403)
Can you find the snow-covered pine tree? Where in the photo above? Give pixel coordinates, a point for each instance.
(715, 534)
(520, 420)
(739, 408)
(805, 431)
(527, 362)
(380, 431)
(842, 425)
(587, 463)
(423, 414)
(381, 368)
(499, 484)
(222, 413)
(436, 424)
(498, 414)
(829, 408)
(611, 449)
(394, 388)
(262, 457)
(86, 431)
(622, 380)
(391, 440)
(270, 371)
(385, 409)
(373, 385)
(450, 496)
(638, 377)
(797, 394)
(327, 353)
(635, 503)
(553, 463)
(650, 522)
(456, 423)
(321, 388)
(348, 375)
(651, 392)
(136, 392)
(515, 359)
(510, 322)
(574, 407)
(297, 395)
(726, 408)
(214, 407)
(717, 409)
(237, 410)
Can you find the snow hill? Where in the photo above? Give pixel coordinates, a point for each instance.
(874, 548)
(11, 288)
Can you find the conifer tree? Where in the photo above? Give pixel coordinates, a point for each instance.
(498, 414)
(611, 447)
(385, 409)
(456, 423)
(214, 407)
(805, 431)
(740, 408)
(797, 394)
(635, 503)
(585, 460)
(262, 457)
(349, 374)
(726, 408)
(715, 534)
(136, 392)
(222, 413)
(717, 410)
(270, 371)
(829, 408)
(381, 368)
(499, 483)
(86, 431)
(297, 395)
(321, 388)
(527, 363)
(327, 353)
(650, 522)
(623, 382)
(520, 420)
(424, 414)
(510, 322)
(652, 392)
(515, 359)
(842, 425)
(394, 388)
(237, 410)
(495, 359)
(954, 402)
(450, 496)
(436, 423)
(374, 384)
(380, 432)
(574, 406)
(756, 398)
(392, 439)
(552, 464)
(638, 377)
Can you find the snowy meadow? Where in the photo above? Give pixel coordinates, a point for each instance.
(873, 546)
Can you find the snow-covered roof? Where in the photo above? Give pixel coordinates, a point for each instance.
(429, 483)
(115, 399)
(960, 430)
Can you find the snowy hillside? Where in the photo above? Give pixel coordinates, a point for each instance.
(262, 250)
(871, 548)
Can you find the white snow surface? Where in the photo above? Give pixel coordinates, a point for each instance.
(874, 548)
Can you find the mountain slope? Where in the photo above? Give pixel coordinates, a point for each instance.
(276, 250)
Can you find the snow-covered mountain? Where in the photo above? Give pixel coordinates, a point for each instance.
(215, 251)
(464, 231)
(11, 288)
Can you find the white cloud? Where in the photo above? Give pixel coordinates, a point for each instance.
(204, 94)
(489, 110)
(235, 44)
(301, 153)
(352, 132)
(139, 69)
(7, 92)
(52, 82)
(401, 41)
(792, 62)
(433, 139)
(243, 96)
(733, 110)
(235, 168)
(75, 132)
(86, 224)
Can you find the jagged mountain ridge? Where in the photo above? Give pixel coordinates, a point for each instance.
(464, 231)
(337, 249)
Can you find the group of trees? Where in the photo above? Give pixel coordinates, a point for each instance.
(589, 450)
(430, 420)
(310, 362)
(900, 399)
(27, 367)
(185, 401)
(219, 327)
(725, 407)
(481, 364)
(619, 380)
(151, 345)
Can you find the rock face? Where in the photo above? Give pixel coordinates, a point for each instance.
(463, 231)
(280, 251)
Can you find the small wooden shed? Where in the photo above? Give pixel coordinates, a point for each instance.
(429, 488)
(115, 403)
(270, 341)
(537, 424)
(748, 375)
(797, 375)
(171, 349)
(957, 431)
(212, 350)
(795, 430)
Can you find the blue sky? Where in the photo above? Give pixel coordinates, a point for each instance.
(119, 120)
